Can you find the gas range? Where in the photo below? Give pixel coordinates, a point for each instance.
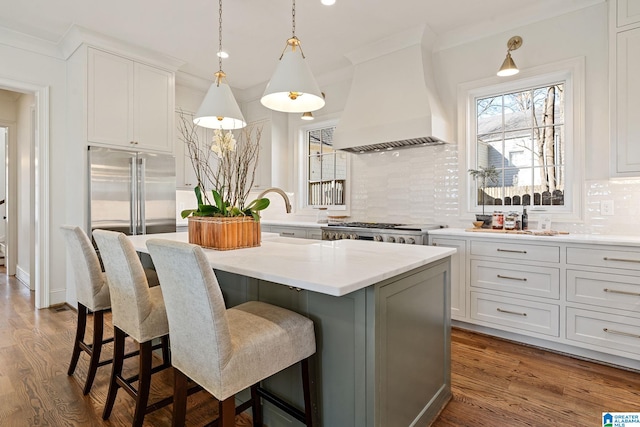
(412, 234)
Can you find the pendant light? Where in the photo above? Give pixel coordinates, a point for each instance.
(292, 89)
(508, 67)
(219, 109)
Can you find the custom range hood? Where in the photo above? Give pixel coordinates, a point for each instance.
(392, 102)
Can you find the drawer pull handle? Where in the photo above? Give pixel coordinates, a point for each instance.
(522, 279)
(512, 251)
(287, 233)
(613, 291)
(624, 334)
(511, 312)
(621, 259)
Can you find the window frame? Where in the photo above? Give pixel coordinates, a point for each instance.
(302, 157)
(571, 72)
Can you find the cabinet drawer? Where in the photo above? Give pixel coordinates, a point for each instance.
(517, 251)
(604, 290)
(604, 330)
(513, 313)
(604, 257)
(517, 278)
(300, 233)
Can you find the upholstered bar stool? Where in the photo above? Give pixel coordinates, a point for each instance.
(92, 293)
(137, 311)
(226, 351)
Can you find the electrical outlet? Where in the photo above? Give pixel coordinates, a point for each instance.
(606, 207)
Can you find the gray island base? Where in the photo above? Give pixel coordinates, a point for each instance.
(383, 351)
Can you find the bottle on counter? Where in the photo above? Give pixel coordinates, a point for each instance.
(498, 220)
(525, 219)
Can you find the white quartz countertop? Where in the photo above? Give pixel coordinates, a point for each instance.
(596, 239)
(278, 222)
(329, 267)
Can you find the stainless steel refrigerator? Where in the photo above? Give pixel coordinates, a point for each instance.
(131, 192)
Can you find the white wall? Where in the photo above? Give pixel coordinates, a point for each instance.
(32, 69)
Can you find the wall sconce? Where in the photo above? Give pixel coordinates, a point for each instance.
(508, 67)
(307, 115)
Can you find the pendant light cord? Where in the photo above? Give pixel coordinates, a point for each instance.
(219, 35)
(293, 19)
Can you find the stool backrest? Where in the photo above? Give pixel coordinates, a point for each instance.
(92, 289)
(130, 299)
(198, 328)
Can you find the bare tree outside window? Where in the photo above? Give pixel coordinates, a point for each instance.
(521, 134)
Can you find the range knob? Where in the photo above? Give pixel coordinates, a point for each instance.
(400, 239)
(391, 239)
(411, 241)
(344, 236)
(377, 238)
(353, 236)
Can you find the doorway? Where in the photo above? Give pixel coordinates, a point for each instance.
(35, 195)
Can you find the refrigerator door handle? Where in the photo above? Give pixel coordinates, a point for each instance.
(142, 197)
(133, 211)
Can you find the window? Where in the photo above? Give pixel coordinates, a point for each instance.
(521, 134)
(326, 169)
(530, 129)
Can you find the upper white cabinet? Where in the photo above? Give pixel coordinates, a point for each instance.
(129, 104)
(628, 12)
(625, 87)
(263, 169)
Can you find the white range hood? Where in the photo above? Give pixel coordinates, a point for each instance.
(393, 101)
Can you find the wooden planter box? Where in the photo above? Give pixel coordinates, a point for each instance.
(224, 233)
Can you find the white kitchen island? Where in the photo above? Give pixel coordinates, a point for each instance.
(382, 321)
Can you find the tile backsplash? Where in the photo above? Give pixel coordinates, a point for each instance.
(420, 185)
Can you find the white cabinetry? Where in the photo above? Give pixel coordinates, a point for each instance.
(458, 275)
(185, 174)
(515, 286)
(263, 168)
(571, 294)
(129, 104)
(313, 233)
(625, 87)
(603, 296)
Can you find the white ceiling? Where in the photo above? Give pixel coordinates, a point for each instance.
(255, 31)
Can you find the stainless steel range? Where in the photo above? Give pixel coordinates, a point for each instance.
(411, 234)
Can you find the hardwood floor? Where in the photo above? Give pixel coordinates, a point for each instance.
(495, 382)
(501, 383)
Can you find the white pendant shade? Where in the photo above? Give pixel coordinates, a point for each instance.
(219, 109)
(292, 75)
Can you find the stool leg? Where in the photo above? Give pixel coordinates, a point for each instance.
(116, 371)
(144, 383)
(166, 356)
(256, 406)
(179, 398)
(96, 348)
(227, 417)
(80, 329)
(306, 389)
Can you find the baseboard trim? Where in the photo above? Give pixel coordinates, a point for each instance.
(23, 276)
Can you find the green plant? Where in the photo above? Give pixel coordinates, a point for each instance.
(485, 175)
(222, 208)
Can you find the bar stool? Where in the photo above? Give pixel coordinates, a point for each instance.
(92, 293)
(138, 311)
(226, 351)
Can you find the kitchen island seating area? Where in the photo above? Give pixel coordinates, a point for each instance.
(226, 350)
(137, 311)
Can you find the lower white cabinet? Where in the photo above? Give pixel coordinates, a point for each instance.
(314, 233)
(515, 314)
(555, 292)
(458, 275)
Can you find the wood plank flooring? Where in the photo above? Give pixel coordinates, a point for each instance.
(495, 382)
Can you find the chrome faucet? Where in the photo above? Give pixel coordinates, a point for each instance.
(287, 203)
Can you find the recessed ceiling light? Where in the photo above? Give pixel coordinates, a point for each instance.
(327, 2)
(222, 54)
